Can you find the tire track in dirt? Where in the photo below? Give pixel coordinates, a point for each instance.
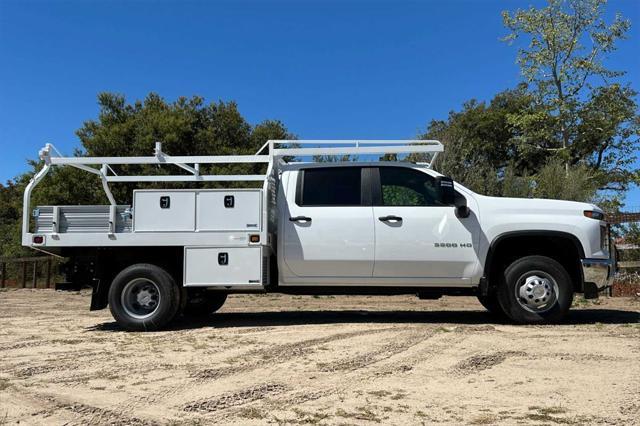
(408, 363)
(271, 403)
(285, 352)
(234, 399)
(257, 358)
(359, 364)
(23, 345)
(320, 388)
(386, 351)
(394, 348)
(87, 414)
(477, 363)
(65, 363)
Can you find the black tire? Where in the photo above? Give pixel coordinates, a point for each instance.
(202, 303)
(154, 281)
(491, 304)
(546, 275)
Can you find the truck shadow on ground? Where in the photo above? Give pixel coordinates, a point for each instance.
(302, 317)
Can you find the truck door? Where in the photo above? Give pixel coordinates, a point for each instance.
(329, 227)
(417, 236)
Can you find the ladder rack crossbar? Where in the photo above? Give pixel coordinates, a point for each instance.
(356, 150)
(186, 178)
(197, 159)
(357, 142)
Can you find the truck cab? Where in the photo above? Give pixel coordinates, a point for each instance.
(374, 227)
(374, 224)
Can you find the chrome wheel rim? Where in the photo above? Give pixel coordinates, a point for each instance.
(140, 298)
(537, 292)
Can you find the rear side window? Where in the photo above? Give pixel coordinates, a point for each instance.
(331, 186)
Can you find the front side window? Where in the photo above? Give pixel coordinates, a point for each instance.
(331, 186)
(402, 186)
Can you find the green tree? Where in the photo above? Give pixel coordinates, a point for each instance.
(569, 112)
(554, 181)
(481, 147)
(586, 116)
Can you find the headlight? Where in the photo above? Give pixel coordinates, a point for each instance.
(594, 214)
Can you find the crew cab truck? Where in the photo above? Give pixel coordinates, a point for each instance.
(371, 227)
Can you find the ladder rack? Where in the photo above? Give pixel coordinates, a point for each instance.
(279, 151)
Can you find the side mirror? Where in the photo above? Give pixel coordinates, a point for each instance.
(462, 210)
(448, 196)
(444, 185)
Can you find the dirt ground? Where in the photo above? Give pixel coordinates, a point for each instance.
(317, 360)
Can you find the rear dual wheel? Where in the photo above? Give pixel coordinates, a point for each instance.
(144, 297)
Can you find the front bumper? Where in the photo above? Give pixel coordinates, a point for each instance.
(598, 272)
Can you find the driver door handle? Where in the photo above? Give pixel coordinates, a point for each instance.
(300, 219)
(390, 218)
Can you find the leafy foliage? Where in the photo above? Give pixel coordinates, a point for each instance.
(582, 114)
(567, 131)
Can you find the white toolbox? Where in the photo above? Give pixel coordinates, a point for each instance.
(199, 210)
(209, 266)
(164, 211)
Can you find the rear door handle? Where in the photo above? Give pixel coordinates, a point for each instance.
(300, 219)
(390, 218)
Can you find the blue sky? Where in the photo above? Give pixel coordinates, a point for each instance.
(332, 69)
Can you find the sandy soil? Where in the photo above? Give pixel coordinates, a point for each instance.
(317, 360)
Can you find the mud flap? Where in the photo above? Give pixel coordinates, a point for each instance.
(590, 291)
(99, 295)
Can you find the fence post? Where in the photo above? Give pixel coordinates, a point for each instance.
(34, 284)
(4, 274)
(49, 272)
(24, 274)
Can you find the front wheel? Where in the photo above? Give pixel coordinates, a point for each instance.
(535, 290)
(143, 297)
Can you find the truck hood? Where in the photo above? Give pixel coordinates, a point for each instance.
(533, 205)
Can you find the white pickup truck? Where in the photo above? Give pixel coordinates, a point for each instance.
(383, 227)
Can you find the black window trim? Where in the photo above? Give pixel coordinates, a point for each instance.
(366, 196)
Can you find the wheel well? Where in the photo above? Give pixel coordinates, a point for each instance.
(564, 248)
(101, 265)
